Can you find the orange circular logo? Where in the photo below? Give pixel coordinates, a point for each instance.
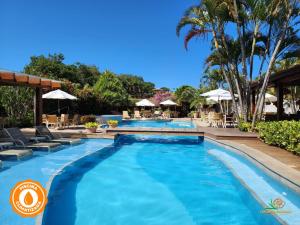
(28, 198)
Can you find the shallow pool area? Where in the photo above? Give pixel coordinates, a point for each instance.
(157, 124)
(39, 168)
(165, 180)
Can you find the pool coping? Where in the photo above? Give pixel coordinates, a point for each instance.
(273, 167)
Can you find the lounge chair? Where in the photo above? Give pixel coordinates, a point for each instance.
(52, 120)
(45, 132)
(147, 114)
(125, 115)
(64, 120)
(7, 152)
(20, 139)
(166, 115)
(137, 114)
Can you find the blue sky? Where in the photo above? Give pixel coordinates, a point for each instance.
(132, 36)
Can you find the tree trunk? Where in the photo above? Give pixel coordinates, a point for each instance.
(256, 29)
(271, 64)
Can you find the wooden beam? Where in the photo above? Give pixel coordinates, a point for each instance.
(38, 106)
(56, 84)
(6, 75)
(21, 78)
(34, 80)
(46, 83)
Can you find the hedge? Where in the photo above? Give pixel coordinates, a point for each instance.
(284, 134)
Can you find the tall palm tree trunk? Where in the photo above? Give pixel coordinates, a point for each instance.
(271, 64)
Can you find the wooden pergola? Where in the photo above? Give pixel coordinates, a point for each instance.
(9, 78)
(279, 80)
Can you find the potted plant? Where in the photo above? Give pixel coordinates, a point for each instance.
(112, 123)
(91, 126)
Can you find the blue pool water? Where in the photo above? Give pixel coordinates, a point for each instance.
(157, 124)
(147, 180)
(155, 180)
(39, 168)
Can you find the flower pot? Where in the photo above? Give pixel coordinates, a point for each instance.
(113, 126)
(92, 129)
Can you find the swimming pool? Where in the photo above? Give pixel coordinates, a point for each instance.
(162, 180)
(157, 124)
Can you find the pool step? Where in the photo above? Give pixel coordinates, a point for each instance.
(155, 131)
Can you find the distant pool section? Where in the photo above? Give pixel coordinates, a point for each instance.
(105, 118)
(157, 124)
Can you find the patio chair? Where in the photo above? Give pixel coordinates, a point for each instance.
(166, 115)
(157, 114)
(125, 115)
(175, 114)
(147, 114)
(229, 120)
(137, 114)
(75, 121)
(64, 120)
(52, 120)
(45, 132)
(21, 140)
(216, 119)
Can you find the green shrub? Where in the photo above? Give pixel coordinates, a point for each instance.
(244, 126)
(91, 125)
(285, 134)
(87, 119)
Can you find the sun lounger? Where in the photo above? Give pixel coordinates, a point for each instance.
(7, 153)
(137, 115)
(45, 132)
(125, 115)
(15, 154)
(20, 139)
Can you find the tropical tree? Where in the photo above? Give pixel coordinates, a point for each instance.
(184, 96)
(53, 67)
(18, 105)
(213, 78)
(265, 32)
(109, 89)
(136, 87)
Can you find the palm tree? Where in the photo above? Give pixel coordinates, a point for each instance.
(207, 17)
(284, 14)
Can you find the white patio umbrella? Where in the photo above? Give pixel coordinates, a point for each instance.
(168, 102)
(224, 97)
(270, 98)
(58, 94)
(216, 93)
(144, 102)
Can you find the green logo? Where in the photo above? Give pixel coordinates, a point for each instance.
(275, 207)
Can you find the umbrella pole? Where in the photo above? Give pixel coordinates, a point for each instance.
(58, 107)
